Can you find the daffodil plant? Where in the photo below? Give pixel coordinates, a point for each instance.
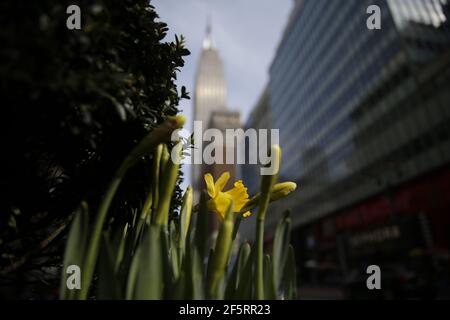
(159, 255)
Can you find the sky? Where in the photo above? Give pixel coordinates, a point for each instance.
(246, 34)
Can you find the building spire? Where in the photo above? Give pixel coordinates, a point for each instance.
(208, 41)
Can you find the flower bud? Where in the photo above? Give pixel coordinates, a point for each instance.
(281, 190)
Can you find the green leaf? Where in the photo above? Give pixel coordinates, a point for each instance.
(179, 287)
(119, 247)
(148, 284)
(236, 226)
(173, 252)
(201, 230)
(133, 275)
(269, 288)
(147, 207)
(290, 276)
(167, 271)
(75, 248)
(209, 264)
(245, 289)
(194, 277)
(108, 286)
(236, 274)
(193, 266)
(185, 218)
(281, 248)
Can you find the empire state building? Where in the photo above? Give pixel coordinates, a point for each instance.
(210, 86)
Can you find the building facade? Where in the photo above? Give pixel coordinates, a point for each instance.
(364, 119)
(259, 118)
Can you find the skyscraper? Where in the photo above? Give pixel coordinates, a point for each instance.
(365, 129)
(210, 85)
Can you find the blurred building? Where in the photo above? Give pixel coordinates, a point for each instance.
(223, 120)
(210, 107)
(364, 119)
(259, 118)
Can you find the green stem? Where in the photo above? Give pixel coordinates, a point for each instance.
(267, 183)
(143, 217)
(221, 254)
(156, 170)
(146, 208)
(259, 273)
(168, 183)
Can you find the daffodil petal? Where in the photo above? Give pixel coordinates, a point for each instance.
(220, 204)
(239, 195)
(210, 185)
(222, 181)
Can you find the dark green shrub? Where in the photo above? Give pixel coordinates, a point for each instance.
(73, 104)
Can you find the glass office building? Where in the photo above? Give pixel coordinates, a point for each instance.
(364, 119)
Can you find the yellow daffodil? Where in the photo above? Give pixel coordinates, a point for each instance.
(220, 200)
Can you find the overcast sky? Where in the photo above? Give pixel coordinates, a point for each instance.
(246, 33)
